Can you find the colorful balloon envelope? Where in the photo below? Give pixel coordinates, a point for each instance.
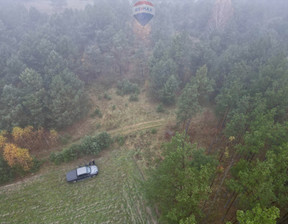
(143, 11)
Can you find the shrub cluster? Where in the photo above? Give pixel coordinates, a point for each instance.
(154, 131)
(134, 98)
(125, 87)
(120, 140)
(97, 113)
(160, 108)
(90, 145)
(107, 96)
(8, 173)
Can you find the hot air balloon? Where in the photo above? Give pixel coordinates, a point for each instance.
(143, 11)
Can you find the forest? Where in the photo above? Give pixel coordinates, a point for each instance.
(226, 56)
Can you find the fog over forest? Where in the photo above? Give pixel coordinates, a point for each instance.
(183, 108)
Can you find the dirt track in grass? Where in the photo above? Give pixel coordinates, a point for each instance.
(138, 127)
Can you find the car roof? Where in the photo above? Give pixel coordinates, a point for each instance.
(82, 170)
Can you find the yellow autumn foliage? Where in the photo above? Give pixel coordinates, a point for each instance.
(23, 137)
(22, 133)
(53, 135)
(16, 156)
(231, 138)
(17, 133)
(4, 132)
(226, 153)
(31, 138)
(28, 130)
(3, 140)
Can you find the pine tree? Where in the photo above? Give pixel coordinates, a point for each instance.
(188, 104)
(258, 215)
(33, 97)
(11, 109)
(194, 95)
(180, 51)
(160, 72)
(168, 92)
(180, 184)
(67, 100)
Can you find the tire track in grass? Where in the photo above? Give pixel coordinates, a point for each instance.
(138, 127)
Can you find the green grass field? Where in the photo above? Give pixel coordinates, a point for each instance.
(114, 196)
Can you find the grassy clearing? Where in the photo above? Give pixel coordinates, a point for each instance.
(114, 196)
(119, 114)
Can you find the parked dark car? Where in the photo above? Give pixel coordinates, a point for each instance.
(81, 173)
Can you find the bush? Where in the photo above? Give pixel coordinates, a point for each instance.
(57, 158)
(98, 126)
(134, 98)
(120, 140)
(97, 113)
(153, 131)
(89, 145)
(52, 157)
(36, 165)
(6, 173)
(125, 87)
(69, 155)
(66, 155)
(64, 139)
(104, 140)
(160, 108)
(107, 97)
(76, 149)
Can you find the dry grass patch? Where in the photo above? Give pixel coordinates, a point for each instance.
(118, 114)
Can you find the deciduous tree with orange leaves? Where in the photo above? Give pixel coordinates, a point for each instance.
(34, 139)
(23, 137)
(16, 156)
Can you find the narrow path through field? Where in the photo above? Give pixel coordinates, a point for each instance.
(138, 127)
